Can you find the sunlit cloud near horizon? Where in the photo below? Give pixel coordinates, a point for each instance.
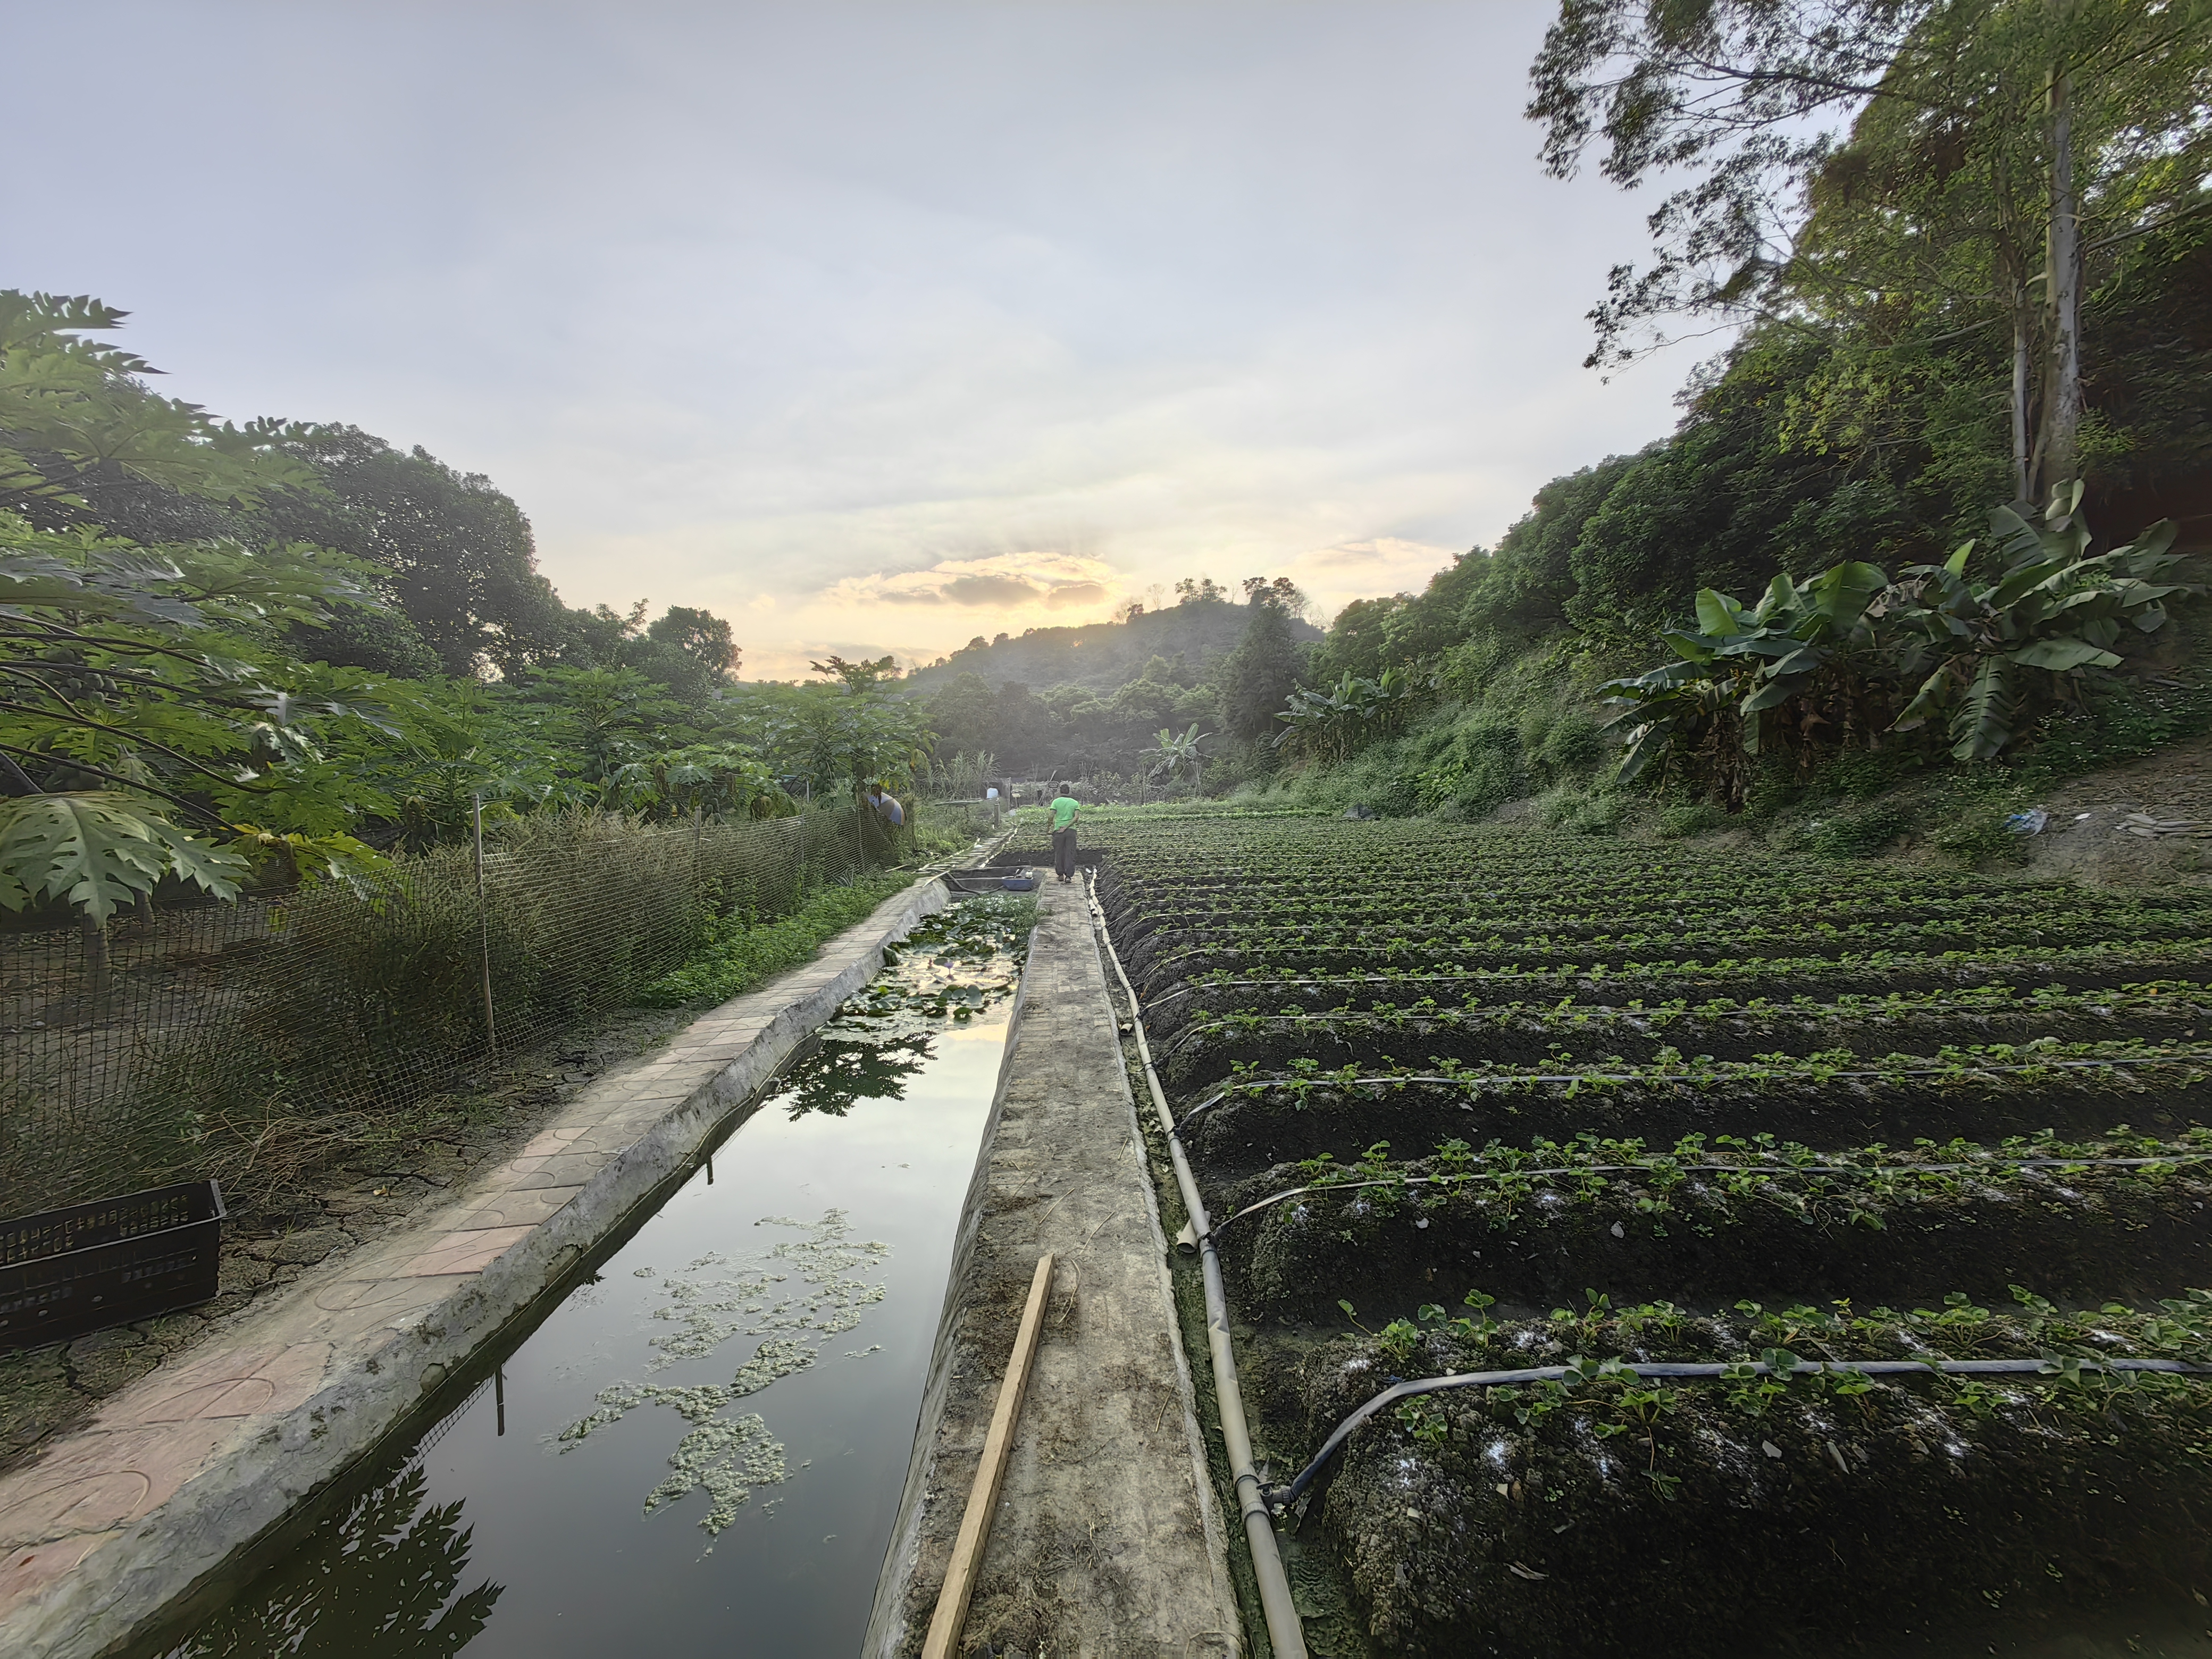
(873, 328)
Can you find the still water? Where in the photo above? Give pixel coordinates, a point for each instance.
(700, 1448)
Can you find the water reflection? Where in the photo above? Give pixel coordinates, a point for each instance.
(838, 1075)
(791, 1345)
(380, 1578)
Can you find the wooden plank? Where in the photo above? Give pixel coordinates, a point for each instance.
(983, 1497)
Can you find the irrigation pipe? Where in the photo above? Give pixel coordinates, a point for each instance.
(1284, 1632)
(1463, 1177)
(1281, 1498)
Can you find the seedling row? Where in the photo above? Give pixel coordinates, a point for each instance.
(1463, 1100)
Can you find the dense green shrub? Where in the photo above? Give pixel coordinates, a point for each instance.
(1697, 818)
(1860, 832)
(737, 955)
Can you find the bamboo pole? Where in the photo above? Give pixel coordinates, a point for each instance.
(483, 925)
(983, 1497)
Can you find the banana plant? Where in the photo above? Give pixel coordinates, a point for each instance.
(1805, 643)
(1334, 722)
(1171, 751)
(1826, 660)
(1987, 656)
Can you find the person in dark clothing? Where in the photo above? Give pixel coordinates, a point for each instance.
(1064, 808)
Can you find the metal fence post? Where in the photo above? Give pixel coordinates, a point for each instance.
(484, 924)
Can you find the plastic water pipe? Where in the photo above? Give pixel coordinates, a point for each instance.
(1281, 1498)
(1284, 1633)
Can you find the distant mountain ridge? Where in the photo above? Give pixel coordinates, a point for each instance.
(1103, 656)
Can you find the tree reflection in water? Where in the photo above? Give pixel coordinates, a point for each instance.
(953, 966)
(380, 1579)
(835, 1075)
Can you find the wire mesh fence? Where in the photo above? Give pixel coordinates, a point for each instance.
(245, 1041)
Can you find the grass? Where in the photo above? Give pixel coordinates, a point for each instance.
(737, 955)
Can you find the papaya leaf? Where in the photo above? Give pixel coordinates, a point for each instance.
(99, 849)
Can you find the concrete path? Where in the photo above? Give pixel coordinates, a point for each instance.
(1106, 1544)
(185, 1467)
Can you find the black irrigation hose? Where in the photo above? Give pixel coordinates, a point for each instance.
(1286, 1634)
(1222, 1226)
(1281, 1498)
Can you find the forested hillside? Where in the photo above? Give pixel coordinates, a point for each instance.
(1146, 695)
(1987, 281)
(1192, 635)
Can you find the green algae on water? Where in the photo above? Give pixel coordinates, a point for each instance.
(714, 1300)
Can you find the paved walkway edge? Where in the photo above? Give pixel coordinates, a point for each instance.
(1107, 1530)
(189, 1466)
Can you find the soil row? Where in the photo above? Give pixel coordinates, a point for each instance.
(1464, 1100)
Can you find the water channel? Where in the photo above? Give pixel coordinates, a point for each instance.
(700, 1448)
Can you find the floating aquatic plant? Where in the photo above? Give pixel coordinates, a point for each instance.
(797, 1294)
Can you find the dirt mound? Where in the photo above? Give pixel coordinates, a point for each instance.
(2095, 833)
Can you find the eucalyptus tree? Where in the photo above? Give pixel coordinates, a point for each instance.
(1867, 160)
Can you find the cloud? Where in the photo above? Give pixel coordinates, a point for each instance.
(1258, 291)
(1003, 581)
(1334, 576)
(990, 590)
(1077, 593)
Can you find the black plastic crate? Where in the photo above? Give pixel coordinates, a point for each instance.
(91, 1266)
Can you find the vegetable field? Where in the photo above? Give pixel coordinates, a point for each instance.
(1467, 1101)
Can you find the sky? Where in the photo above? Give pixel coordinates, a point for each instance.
(871, 327)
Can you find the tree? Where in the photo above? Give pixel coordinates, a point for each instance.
(76, 415)
(142, 712)
(152, 724)
(1982, 133)
(459, 555)
(702, 636)
(859, 678)
(1258, 675)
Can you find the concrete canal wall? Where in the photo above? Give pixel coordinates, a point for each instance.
(1106, 1543)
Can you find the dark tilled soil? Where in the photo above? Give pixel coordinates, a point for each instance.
(1202, 1058)
(1243, 1136)
(1820, 1517)
(1165, 1020)
(2067, 1236)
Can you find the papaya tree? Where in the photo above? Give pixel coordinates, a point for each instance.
(153, 726)
(147, 731)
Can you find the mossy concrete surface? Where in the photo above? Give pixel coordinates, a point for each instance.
(1106, 1542)
(184, 1469)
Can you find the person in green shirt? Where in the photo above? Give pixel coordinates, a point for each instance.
(1065, 807)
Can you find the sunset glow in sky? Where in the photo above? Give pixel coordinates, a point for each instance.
(872, 327)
